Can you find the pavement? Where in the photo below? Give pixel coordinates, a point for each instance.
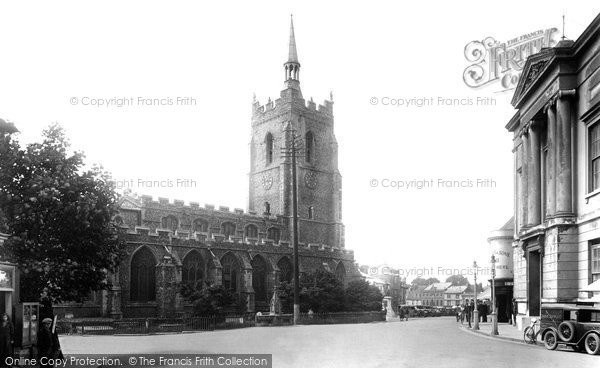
(424, 342)
(506, 332)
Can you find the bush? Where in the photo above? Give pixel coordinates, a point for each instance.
(362, 297)
(212, 300)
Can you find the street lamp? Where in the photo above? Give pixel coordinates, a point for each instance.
(494, 310)
(475, 311)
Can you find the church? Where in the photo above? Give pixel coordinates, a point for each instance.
(169, 243)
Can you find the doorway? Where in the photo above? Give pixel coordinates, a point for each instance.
(534, 278)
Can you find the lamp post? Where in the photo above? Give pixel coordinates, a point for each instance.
(475, 311)
(494, 309)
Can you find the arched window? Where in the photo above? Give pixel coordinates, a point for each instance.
(193, 270)
(311, 212)
(310, 147)
(227, 229)
(340, 272)
(143, 276)
(118, 220)
(267, 208)
(170, 223)
(285, 269)
(200, 225)
(274, 234)
(251, 231)
(269, 148)
(259, 278)
(231, 272)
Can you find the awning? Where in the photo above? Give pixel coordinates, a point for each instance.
(593, 287)
(485, 294)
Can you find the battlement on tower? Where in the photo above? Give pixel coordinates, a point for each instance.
(272, 109)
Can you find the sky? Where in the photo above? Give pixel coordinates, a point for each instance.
(177, 80)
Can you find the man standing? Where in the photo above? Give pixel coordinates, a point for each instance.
(468, 311)
(47, 344)
(515, 310)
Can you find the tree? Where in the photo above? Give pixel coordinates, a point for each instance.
(362, 297)
(419, 281)
(58, 216)
(210, 300)
(320, 291)
(432, 280)
(458, 280)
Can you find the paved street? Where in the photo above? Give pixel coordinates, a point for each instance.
(429, 342)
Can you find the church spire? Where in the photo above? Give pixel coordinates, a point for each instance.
(292, 65)
(293, 54)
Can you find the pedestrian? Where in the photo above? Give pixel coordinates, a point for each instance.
(401, 312)
(468, 312)
(483, 311)
(462, 314)
(47, 344)
(515, 310)
(7, 335)
(406, 312)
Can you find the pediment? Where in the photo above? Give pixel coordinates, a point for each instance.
(129, 204)
(534, 67)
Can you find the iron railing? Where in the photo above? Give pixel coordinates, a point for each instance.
(136, 326)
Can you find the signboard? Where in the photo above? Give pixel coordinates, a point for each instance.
(7, 278)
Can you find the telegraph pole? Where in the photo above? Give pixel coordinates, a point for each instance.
(295, 145)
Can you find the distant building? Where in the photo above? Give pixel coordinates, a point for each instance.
(415, 295)
(556, 246)
(434, 294)
(453, 296)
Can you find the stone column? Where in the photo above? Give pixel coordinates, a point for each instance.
(166, 287)
(564, 190)
(114, 297)
(524, 190)
(247, 289)
(534, 188)
(551, 163)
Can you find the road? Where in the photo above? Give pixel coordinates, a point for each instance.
(429, 342)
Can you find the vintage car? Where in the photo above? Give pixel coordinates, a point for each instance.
(422, 311)
(577, 326)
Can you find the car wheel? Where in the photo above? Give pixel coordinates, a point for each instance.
(592, 344)
(566, 331)
(551, 340)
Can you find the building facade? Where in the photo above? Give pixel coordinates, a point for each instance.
(434, 294)
(170, 244)
(454, 295)
(556, 245)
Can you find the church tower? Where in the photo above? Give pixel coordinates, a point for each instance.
(319, 180)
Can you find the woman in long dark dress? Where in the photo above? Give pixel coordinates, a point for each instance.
(6, 339)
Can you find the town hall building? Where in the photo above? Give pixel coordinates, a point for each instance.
(556, 136)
